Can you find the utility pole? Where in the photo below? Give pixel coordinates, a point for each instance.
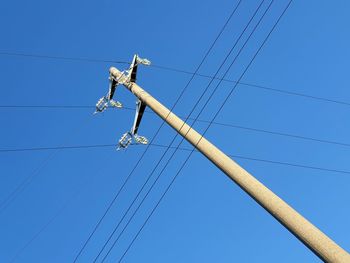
(325, 248)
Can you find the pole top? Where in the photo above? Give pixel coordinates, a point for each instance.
(127, 78)
(115, 72)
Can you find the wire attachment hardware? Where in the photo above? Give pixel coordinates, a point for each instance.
(127, 138)
(107, 100)
(115, 104)
(143, 61)
(126, 77)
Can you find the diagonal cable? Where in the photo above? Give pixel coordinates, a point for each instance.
(28, 180)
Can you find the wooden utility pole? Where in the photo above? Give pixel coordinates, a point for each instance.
(305, 231)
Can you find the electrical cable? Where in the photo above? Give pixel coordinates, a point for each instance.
(188, 149)
(17, 54)
(28, 180)
(235, 126)
(25, 183)
(45, 226)
(47, 106)
(263, 87)
(268, 161)
(209, 84)
(182, 166)
(75, 194)
(143, 154)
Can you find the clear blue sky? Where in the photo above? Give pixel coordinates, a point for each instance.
(204, 217)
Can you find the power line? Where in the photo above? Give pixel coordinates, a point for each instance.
(94, 146)
(268, 161)
(46, 225)
(56, 148)
(278, 133)
(28, 180)
(165, 146)
(266, 88)
(25, 183)
(252, 85)
(17, 54)
(144, 152)
(209, 84)
(75, 194)
(49, 106)
(235, 126)
(182, 166)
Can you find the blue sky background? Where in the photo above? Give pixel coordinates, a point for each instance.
(205, 217)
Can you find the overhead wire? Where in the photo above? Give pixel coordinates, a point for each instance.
(47, 106)
(21, 54)
(220, 108)
(25, 183)
(229, 125)
(29, 179)
(144, 152)
(64, 206)
(172, 69)
(263, 87)
(267, 161)
(45, 226)
(110, 145)
(55, 215)
(176, 135)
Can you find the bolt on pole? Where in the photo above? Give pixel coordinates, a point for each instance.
(325, 248)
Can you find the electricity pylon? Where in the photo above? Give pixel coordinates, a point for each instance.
(325, 248)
